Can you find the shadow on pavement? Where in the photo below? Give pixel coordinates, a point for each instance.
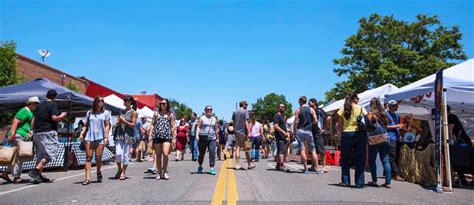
(209, 173)
(287, 171)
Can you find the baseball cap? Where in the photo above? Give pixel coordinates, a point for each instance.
(392, 102)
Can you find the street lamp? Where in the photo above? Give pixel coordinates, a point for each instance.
(63, 76)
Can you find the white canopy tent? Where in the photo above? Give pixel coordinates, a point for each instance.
(365, 97)
(459, 85)
(115, 101)
(146, 111)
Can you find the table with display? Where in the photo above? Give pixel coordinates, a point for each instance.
(69, 156)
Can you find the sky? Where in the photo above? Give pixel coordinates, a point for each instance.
(207, 52)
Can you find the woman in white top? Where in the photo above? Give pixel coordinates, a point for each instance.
(97, 128)
(208, 136)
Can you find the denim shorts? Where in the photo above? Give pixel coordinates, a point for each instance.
(302, 136)
(96, 142)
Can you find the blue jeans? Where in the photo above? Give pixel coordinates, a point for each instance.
(383, 150)
(255, 152)
(358, 142)
(193, 145)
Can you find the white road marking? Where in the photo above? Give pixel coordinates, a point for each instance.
(271, 166)
(60, 179)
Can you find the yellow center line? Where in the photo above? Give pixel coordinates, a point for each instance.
(232, 194)
(219, 192)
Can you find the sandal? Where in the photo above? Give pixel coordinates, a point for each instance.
(165, 176)
(117, 176)
(18, 180)
(123, 178)
(251, 166)
(99, 176)
(86, 182)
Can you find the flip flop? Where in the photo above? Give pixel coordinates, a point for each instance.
(251, 166)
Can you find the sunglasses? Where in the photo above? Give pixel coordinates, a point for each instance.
(162, 103)
(101, 101)
(209, 109)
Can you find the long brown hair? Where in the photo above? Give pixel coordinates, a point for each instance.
(133, 103)
(95, 105)
(348, 104)
(378, 110)
(168, 106)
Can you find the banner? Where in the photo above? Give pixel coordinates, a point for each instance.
(438, 88)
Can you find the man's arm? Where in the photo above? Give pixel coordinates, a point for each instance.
(315, 117)
(295, 123)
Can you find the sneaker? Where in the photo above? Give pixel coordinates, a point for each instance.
(213, 172)
(305, 171)
(318, 172)
(199, 170)
(387, 186)
(35, 175)
(44, 179)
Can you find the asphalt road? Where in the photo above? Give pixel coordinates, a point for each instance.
(262, 185)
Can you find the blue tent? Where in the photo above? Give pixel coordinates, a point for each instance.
(14, 97)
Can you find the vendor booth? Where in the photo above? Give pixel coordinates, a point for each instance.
(458, 84)
(14, 97)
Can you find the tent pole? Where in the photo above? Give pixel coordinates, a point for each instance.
(445, 141)
(66, 147)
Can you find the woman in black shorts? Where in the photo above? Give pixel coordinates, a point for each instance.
(164, 133)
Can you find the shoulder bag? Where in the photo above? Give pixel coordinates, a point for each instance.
(379, 135)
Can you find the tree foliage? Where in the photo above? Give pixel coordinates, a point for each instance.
(71, 85)
(386, 50)
(181, 109)
(8, 75)
(265, 108)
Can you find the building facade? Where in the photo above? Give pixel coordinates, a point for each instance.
(31, 69)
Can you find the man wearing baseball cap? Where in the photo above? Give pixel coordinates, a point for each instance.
(20, 132)
(393, 130)
(45, 124)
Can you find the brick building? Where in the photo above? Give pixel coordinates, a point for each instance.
(150, 101)
(31, 69)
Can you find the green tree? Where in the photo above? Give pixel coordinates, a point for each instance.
(71, 85)
(386, 50)
(8, 75)
(181, 109)
(265, 108)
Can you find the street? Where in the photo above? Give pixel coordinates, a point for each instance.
(263, 185)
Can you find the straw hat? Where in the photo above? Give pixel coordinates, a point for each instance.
(31, 100)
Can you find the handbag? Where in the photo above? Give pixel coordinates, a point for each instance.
(82, 146)
(7, 155)
(25, 149)
(379, 135)
(363, 123)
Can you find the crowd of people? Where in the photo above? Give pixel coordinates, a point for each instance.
(364, 134)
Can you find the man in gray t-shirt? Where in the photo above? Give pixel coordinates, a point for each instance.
(240, 118)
